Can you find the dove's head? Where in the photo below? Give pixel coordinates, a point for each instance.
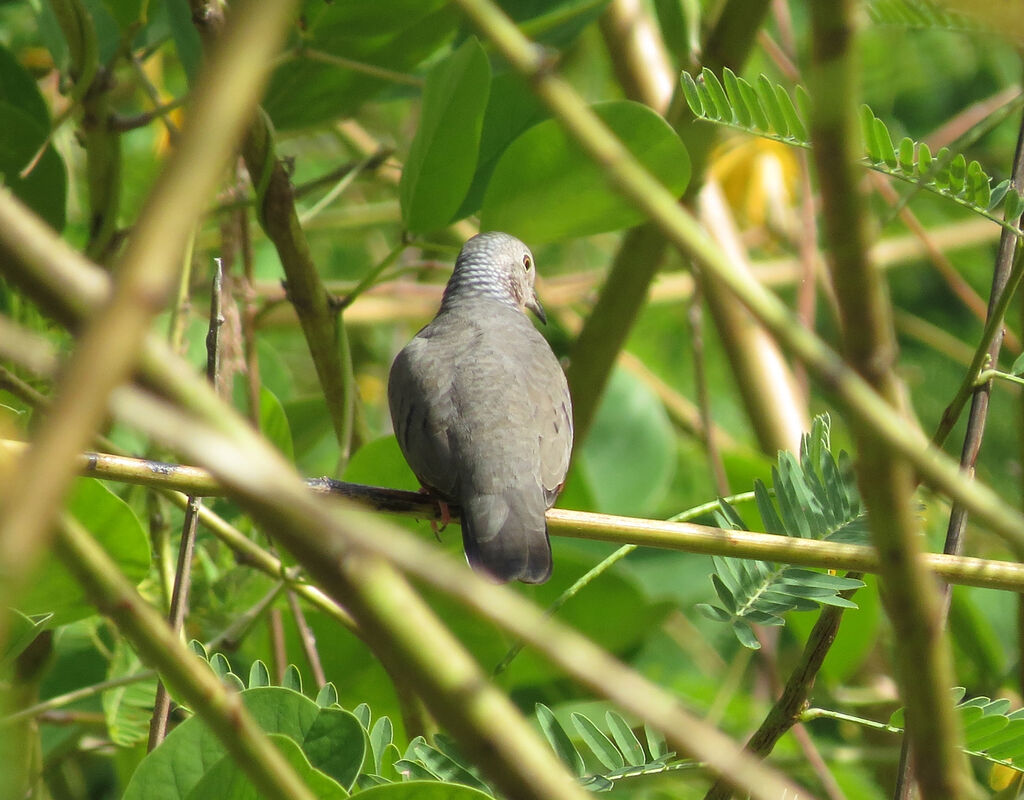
(494, 266)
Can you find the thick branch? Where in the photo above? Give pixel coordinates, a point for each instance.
(923, 660)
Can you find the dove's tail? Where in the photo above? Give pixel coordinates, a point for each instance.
(506, 541)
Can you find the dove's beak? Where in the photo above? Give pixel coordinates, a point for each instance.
(534, 305)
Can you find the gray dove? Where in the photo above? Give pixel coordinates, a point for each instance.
(482, 412)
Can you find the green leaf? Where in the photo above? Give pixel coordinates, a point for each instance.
(998, 193)
(19, 89)
(746, 635)
(226, 781)
(128, 709)
(714, 612)
(396, 35)
(631, 426)
(692, 95)
(867, 129)
(732, 89)
(423, 790)
(544, 188)
(511, 109)
(443, 155)
(924, 158)
(361, 711)
(884, 142)
(601, 746)
(328, 696)
(625, 739)
(656, 745)
(559, 740)
(414, 771)
(718, 95)
(1014, 205)
(796, 126)
(770, 103)
(381, 735)
(445, 767)
(331, 739)
(44, 189)
(259, 675)
(274, 423)
(724, 594)
(220, 665)
(906, 155)
(21, 632)
(1018, 365)
(293, 680)
(753, 104)
(116, 529)
(26, 125)
(958, 172)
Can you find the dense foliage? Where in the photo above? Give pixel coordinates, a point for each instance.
(387, 133)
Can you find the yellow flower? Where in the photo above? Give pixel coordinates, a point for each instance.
(761, 180)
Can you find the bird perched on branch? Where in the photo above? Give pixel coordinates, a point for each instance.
(482, 411)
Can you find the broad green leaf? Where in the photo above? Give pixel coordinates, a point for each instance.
(601, 746)
(631, 427)
(559, 740)
(224, 780)
(395, 35)
(117, 530)
(331, 739)
(19, 89)
(552, 22)
(511, 109)
(45, 187)
(380, 463)
(125, 12)
(443, 156)
(544, 188)
(274, 423)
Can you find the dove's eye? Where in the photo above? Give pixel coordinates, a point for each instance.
(527, 262)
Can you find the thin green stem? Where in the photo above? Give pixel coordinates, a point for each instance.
(981, 352)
